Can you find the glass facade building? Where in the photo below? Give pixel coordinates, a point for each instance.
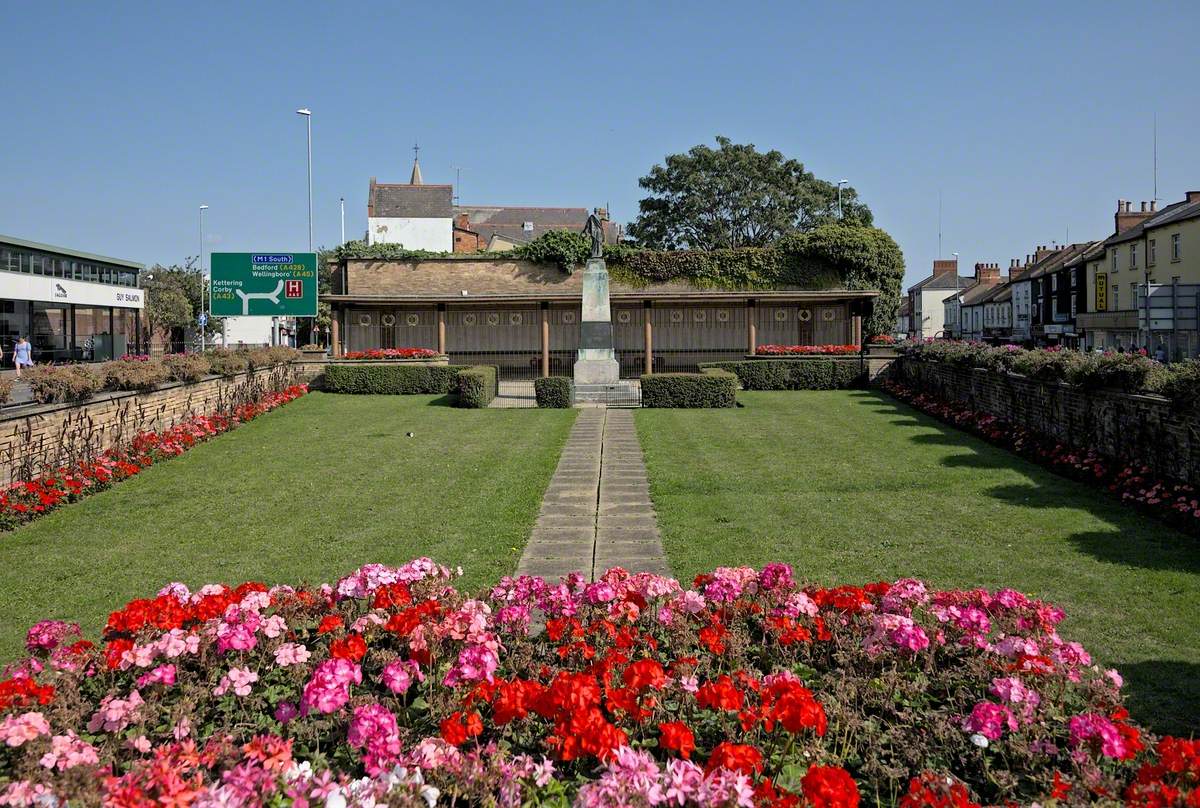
(70, 305)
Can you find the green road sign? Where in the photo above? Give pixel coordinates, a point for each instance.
(264, 284)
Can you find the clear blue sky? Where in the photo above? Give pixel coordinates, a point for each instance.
(120, 119)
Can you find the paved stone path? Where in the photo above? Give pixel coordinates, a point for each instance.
(596, 512)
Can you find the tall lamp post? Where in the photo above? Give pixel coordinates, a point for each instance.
(840, 184)
(342, 202)
(307, 113)
(203, 282)
(957, 300)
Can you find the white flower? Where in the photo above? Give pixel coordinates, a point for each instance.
(335, 799)
(430, 794)
(980, 740)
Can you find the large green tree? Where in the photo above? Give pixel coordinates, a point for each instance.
(735, 196)
(173, 299)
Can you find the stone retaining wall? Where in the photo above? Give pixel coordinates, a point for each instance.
(1119, 425)
(43, 433)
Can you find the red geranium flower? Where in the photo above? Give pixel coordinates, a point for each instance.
(738, 757)
(645, 673)
(353, 648)
(829, 787)
(677, 737)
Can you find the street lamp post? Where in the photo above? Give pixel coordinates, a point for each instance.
(840, 184)
(203, 282)
(307, 113)
(342, 202)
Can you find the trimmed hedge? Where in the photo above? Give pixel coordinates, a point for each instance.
(555, 392)
(711, 388)
(477, 386)
(396, 380)
(793, 374)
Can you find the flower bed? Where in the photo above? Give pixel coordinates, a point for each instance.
(742, 689)
(1134, 483)
(392, 353)
(803, 350)
(881, 339)
(24, 501)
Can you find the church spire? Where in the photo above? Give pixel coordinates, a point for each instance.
(415, 179)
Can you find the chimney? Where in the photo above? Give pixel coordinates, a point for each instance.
(947, 266)
(1153, 205)
(987, 274)
(1193, 196)
(1126, 217)
(463, 221)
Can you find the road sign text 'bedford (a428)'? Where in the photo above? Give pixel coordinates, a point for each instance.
(264, 284)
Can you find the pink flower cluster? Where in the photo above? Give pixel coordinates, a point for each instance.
(329, 687)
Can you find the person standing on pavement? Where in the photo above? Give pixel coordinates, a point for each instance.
(21, 354)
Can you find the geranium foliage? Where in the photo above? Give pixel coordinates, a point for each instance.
(801, 350)
(742, 688)
(392, 353)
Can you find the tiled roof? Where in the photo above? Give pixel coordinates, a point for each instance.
(411, 201)
(945, 281)
(978, 294)
(1055, 260)
(509, 221)
(1176, 212)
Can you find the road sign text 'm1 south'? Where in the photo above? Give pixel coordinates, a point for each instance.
(264, 284)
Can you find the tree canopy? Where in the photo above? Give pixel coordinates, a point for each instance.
(736, 196)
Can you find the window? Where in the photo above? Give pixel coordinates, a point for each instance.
(1133, 295)
(1054, 282)
(1115, 251)
(1133, 256)
(1074, 305)
(1151, 253)
(1074, 278)
(1176, 247)
(1116, 293)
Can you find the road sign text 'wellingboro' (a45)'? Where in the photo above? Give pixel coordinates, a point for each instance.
(264, 284)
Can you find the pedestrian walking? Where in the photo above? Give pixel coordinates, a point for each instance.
(22, 354)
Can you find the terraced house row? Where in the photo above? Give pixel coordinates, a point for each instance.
(1137, 288)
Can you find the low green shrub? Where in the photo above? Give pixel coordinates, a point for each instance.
(477, 386)
(554, 392)
(810, 373)
(711, 388)
(187, 367)
(270, 357)
(396, 380)
(1130, 373)
(53, 384)
(126, 374)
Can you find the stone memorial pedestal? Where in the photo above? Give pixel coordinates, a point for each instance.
(597, 373)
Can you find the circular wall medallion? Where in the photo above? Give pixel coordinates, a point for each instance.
(623, 317)
(676, 316)
(699, 315)
(493, 318)
(388, 320)
(413, 319)
(828, 314)
(781, 315)
(469, 318)
(514, 318)
(722, 315)
(568, 317)
(364, 319)
(805, 315)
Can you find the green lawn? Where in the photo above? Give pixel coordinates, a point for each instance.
(307, 493)
(853, 486)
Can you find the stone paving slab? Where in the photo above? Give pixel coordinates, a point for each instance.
(596, 512)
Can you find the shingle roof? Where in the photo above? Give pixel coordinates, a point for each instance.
(411, 201)
(1055, 260)
(1175, 212)
(978, 294)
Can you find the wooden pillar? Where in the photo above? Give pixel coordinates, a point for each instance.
(335, 344)
(545, 339)
(441, 320)
(751, 327)
(856, 330)
(647, 308)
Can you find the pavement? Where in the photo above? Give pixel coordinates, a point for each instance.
(596, 513)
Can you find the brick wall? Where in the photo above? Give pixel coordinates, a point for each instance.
(1119, 425)
(35, 434)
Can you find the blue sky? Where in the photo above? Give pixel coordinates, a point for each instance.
(120, 119)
